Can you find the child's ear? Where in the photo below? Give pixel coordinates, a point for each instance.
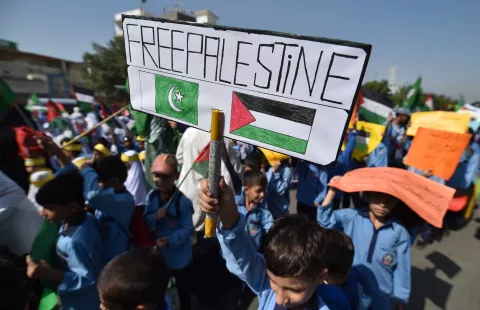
(322, 277)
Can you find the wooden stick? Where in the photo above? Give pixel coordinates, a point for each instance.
(86, 132)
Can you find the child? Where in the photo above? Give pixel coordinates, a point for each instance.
(141, 143)
(251, 204)
(279, 178)
(168, 212)
(37, 179)
(253, 161)
(293, 265)
(137, 279)
(135, 182)
(79, 245)
(74, 150)
(382, 247)
(100, 151)
(311, 187)
(33, 164)
(340, 290)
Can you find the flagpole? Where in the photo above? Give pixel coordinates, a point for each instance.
(214, 165)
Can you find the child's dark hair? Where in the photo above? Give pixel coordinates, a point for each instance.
(339, 256)
(253, 160)
(138, 277)
(111, 167)
(63, 189)
(12, 284)
(254, 177)
(103, 141)
(295, 247)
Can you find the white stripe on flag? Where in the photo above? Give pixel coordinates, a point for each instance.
(84, 98)
(376, 107)
(281, 125)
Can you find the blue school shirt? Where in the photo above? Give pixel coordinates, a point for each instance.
(334, 297)
(177, 225)
(382, 257)
(378, 157)
(246, 263)
(278, 192)
(114, 212)
(312, 183)
(257, 221)
(466, 172)
(80, 249)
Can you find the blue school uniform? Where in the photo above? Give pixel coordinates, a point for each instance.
(378, 157)
(177, 225)
(245, 262)
(80, 249)
(257, 221)
(278, 192)
(466, 172)
(114, 212)
(382, 257)
(334, 297)
(312, 183)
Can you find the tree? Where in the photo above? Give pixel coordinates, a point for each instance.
(379, 87)
(106, 67)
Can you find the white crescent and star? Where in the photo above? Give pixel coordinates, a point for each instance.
(178, 98)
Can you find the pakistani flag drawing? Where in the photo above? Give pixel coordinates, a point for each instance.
(176, 98)
(289, 125)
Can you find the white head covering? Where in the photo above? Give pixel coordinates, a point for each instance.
(135, 182)
(37, 179)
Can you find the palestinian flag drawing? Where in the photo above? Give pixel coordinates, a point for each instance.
(272, 122)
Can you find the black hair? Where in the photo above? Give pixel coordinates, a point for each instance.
(74, 153)
(254, 177)
(138, 277)
(12, 284)
(339, 255)
(253, 160)
(61, 190)
(103, 142)
(295, 247)
(111, 167)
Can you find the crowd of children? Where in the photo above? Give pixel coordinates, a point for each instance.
(122, 244)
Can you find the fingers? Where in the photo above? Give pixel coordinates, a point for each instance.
(28, 260)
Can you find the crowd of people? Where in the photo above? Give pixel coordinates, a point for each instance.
(127, 214)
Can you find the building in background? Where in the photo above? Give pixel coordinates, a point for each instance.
(28, 73)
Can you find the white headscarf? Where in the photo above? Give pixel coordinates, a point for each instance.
(37, 179)
(135, 182)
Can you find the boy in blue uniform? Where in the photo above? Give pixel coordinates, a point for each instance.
(292, 267)
(168, 212)
(382, 247)
(137, 279)
(251, 204)
(279, 178)
(311, 188)
(79, 244)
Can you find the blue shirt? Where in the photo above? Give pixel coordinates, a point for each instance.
(246, 263)
(312, 183)
(80, 249)
(382, 257)
(334, 297)
(378, 157)
(278, 193)
(466, 172)
(177, 226)
(257, 221)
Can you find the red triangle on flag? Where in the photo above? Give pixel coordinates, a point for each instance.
(240, 115)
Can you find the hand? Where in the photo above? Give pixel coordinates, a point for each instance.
(42, 271)
(276, 166)
(48, 145)
(162, 242)
(225, 205)
(332, 190)
(161, 213)
(428, 173)
(172, 124)
(315, 204)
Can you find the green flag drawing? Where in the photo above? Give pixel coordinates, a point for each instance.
(176, 98)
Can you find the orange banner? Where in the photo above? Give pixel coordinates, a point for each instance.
(437, 150)
(429, 199)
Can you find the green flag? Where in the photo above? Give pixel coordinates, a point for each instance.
(460, 103)
(6, 98)
(33, 102)
(413, 95)
(176, 98)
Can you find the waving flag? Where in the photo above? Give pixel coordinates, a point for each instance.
(413, 95)
(429, 102)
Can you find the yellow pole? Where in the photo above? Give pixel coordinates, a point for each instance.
(214, 164)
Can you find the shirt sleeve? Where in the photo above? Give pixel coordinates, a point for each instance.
(150, 213)
(242, 258)
(323, 179)
(182, 235)
(472, 168)
(346, 156)
(338, 220)
(84, 264)
(280, 181)
(267, 220)
(90, 183)
(401, 275)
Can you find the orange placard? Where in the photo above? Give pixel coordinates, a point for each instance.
(437, 150)
(429, 199)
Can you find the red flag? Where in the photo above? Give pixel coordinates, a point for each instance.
(52, 111)
(60, 107)
(355, 109)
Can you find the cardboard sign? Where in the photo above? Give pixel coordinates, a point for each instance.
(429, 199)
(436, 150)
(290, 94)
(368, 138)
(441, 120)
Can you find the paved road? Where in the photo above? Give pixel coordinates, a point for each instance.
(446, 274)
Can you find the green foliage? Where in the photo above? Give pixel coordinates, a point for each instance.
(379, 87)
(106, 67)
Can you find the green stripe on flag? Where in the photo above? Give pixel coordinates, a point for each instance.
(201, 168)
(272, 138)
(371, 117)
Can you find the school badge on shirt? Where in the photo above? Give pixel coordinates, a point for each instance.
(387, 259)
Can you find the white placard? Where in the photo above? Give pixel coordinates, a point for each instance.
(291, 94)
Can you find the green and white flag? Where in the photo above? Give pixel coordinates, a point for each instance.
(413, 95)
(176, 98)
(460, 103)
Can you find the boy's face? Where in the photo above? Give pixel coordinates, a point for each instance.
(164, 182)
(141, 145)
(96, 155)
(380, 204)
(255, 193)
(58, 213)
(293, 292)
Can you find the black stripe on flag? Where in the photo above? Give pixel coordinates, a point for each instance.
(83, 91)
(291, 112)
